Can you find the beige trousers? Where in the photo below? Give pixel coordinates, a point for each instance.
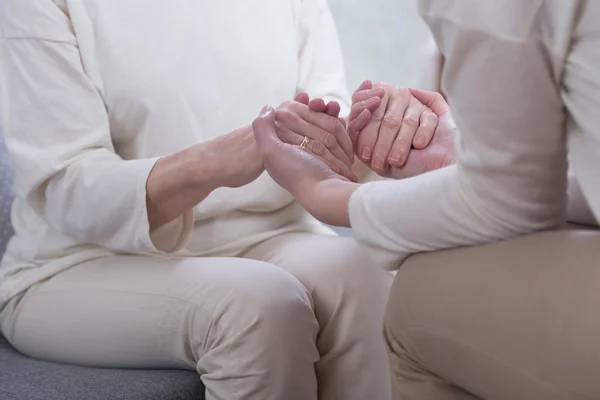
(298, 318)
(517, 320)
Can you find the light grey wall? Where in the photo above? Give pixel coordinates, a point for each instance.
(383, 40)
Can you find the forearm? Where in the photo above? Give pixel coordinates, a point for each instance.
(328, 201)
(174, 187)
(181, 181)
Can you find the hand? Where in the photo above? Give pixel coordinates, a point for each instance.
(400, 123)
(328, 140)
(440, 152)
(299, 171)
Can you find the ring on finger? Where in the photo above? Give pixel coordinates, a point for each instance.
(304, 142)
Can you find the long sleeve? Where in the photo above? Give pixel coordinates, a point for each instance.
(59, 140)
(321, 63)
(501, 78)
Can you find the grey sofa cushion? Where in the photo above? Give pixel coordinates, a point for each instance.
(24, 378)
(5, 197)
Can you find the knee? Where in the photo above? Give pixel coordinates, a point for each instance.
(263, 299)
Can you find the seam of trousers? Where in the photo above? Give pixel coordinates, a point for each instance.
(450, 337)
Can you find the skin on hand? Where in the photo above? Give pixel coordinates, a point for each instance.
(313, 187)
(440, 152)
(363, 117)
(328, 138)
(399, 124)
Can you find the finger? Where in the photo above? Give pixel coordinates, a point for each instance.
(264, 130)
(317, 148)
(427, 124)
(390, 128)
(403, 142)
(299, 126)
(366, 94)
(371, 104)
(333, 108)
(302, 98)
(317, 105)
(365, 86)
(365, 142)
(434, 100)
(358, 124)
(329, 124)
(343, 121)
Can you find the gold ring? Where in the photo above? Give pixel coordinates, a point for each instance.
(304, 142)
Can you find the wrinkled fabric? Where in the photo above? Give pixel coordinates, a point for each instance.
(522, 80)
(93, 93)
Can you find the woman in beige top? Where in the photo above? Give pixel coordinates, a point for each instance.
(515, 316)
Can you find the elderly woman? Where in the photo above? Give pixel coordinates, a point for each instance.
(514, 319)
(147, 236)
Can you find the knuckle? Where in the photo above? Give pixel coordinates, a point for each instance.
(411, 121)
(403, 93)
(317, 148)
(286, 115)
(329, 140)
(429, 118)
(391, 121)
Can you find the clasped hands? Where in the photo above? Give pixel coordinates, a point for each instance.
(310, 151)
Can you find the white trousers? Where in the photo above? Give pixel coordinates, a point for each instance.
(299, 317)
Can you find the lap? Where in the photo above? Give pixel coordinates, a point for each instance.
(130, 311)
(322, 262)
(507, 316)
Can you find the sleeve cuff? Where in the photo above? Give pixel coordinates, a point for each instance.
(169, 238)
(175, 235)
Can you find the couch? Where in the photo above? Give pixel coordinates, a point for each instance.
(23, 378)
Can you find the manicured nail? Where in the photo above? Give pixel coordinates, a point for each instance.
(420, 141)
(396, 157)
(365, 153)
(379, 164)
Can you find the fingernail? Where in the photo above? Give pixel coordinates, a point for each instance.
(365, 153)
(379, 164)
(420, 141)
(266, 109)
(396, 157)
(373, 100)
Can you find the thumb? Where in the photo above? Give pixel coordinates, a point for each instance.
(433, 100)
(264, 129)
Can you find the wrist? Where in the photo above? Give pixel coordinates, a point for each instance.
(202, 169)
(328, 201)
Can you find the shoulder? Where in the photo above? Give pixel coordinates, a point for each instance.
(35, 19)
(510, 19)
